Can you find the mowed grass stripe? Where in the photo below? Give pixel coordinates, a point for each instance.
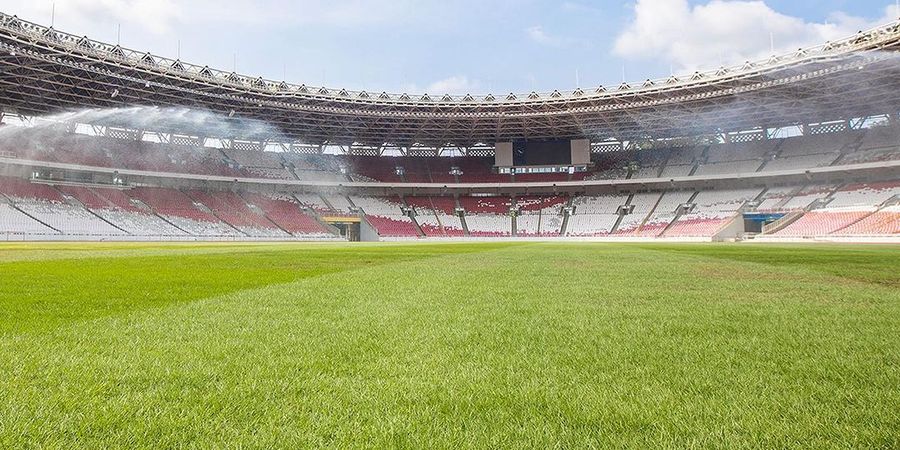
(867, 263)
(537, 346)
(42, 292)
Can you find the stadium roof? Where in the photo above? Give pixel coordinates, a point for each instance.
(45, 71)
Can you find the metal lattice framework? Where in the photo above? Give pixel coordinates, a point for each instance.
(43, 70)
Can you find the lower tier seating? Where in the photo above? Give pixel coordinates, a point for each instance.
(489, 225)
(822, 223)
(881, 223)
(393, 225)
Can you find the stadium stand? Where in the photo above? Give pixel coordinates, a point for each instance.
(885, 222)
(180, 210)
(386, 216)
(156, 212)
(233, 210)
(640, 205)
(712, 210)
(487, 216)
(665, 211)
(595, 215)
(285, 212)
(415, 168)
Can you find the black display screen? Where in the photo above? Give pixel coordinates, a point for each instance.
(542, 153)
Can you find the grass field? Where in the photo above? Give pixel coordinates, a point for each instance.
(449, 345)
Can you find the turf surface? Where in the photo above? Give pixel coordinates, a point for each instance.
(449, 345)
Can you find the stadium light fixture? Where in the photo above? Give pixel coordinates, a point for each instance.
(115, 93)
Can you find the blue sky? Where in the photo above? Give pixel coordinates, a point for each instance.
(460, 46)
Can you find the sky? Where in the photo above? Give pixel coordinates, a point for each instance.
(460, 46)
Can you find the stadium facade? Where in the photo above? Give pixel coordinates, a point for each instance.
(799, 146)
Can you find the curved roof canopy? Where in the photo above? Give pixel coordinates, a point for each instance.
(43, 70)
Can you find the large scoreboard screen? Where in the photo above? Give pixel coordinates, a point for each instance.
(541, 152)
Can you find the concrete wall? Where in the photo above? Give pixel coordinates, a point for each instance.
(581, 152)
(503, 154)
(732, 230)
(367, 233)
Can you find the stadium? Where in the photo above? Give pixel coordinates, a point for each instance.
(197, 257)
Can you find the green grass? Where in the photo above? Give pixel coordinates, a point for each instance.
(449, 345)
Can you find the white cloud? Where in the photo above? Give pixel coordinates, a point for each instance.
(459, 84)
(578, 7)
(539, 35)
(159, 16)
(723, 32)
(155, 16)
(454, 85)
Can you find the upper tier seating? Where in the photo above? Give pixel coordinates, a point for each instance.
(685, 155)
(755, 150)
(730, 167)
(320, 176)
(256, 158)
(800, 162)
(864, 195)
(267, 172)
(817, 144)
(872, 155)
(425, 170)
(675, 171)
(881, 137)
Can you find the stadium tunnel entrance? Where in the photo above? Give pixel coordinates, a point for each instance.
(756, 222)
(348, 227)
